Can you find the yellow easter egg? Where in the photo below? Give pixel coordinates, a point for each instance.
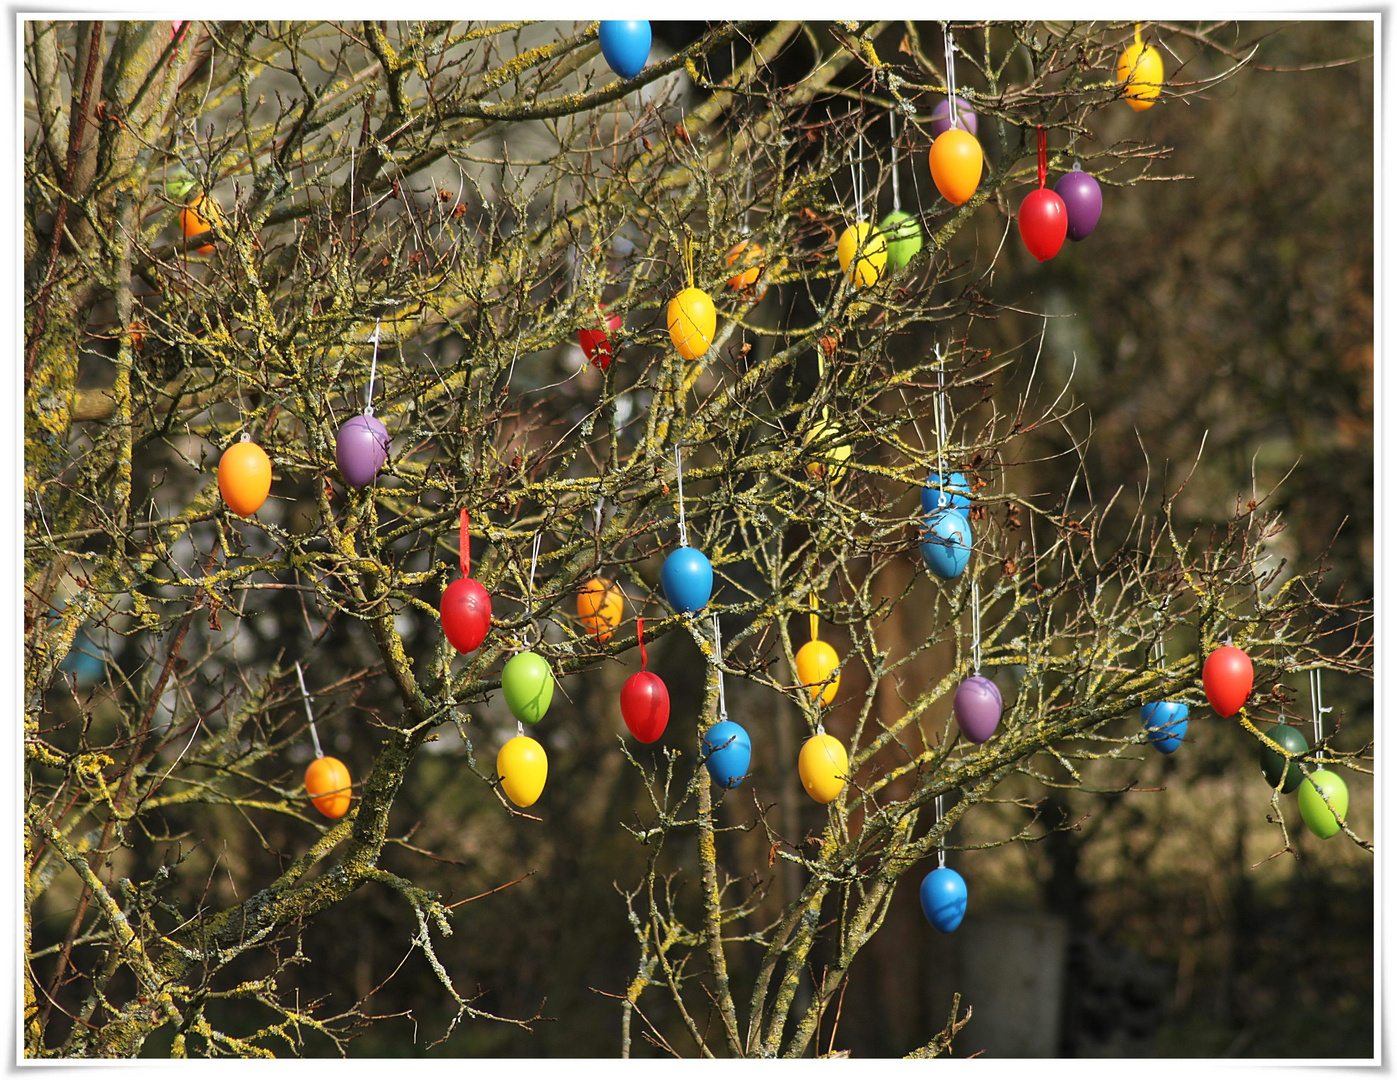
(956, 163)
(692, 320)
(816, 661)
(824, 768)
(523, 769)
(873, 258)
(1142, 71)
(827, 460)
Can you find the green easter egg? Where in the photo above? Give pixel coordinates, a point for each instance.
(1273, 764)
(1318, 817)
(528, 686)
(904, 237)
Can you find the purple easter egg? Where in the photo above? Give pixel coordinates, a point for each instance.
(1082, 194)
(361, 448)
(941, 118)
(978, 706)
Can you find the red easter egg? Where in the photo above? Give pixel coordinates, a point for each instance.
(597, 345)
(1227, 677)
(645, 705)
(1043, 223)
(465, 614)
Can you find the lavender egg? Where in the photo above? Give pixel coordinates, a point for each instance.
(361, 448)
(941, 118)
(1082, 194)
(977, 707)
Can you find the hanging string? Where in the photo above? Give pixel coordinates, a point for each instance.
(640, 639)
(373, 372)
(305, 697)
(679, 470)
(858, 210)
(718, 663)
(747, 206)
(814, 618)
(465, 542)
(975, 622)
(940, 417)
(1042, 156)
(941, 846)
(689, 258)
(950, 75)
(1317, 706)
(533, 565)
(892, 127)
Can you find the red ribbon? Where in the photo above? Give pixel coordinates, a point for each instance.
(465, 544)
(1042, 156)
(640, 639)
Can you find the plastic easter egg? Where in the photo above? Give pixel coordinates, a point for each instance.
(944, 897)
(645, 705)
(687, 578)
(1081, 194)
(626, 45)
(747, 255)
(244, 477)
(728, 753)
(977, 707)
(873, 258)
(527, 682)
(327, 784)
(1142, 71)
(828, 462)
(1227, 676)
(816, 662)
(946, 543)
(465, 614)
(956, 164)
(1273, 764)
(966, 119)
(596, 346)
(904, 237)
(199, 217)
(1165, 723)
(692, 321)
(1319, 819)
(824, 768)
(361, 448)
(600, 605)
(1043, 223)
(939, 493)
(523, 769)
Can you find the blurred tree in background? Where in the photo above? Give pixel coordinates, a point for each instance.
(448, 205)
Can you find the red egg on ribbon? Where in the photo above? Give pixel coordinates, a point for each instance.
(465, 606)
(1227, 679)
(1043, 214)
(597, 345)
(645, 698)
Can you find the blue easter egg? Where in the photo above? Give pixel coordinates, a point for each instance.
(953, 491)
(943, 899)
(626, 45)
(946, 542)
(1166, 722)
(687, 577)
(729, 753)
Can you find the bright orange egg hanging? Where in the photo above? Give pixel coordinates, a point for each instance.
(692, 321)
(747, 254)
(199, 217)
(956, 164)
(327, 784)
(599, 606)
(244, 477)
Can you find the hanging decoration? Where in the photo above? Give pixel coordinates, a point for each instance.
(1280, 769)
(692, 319)
(1227, 678)
(599, 605)
(625, 43)
(1165, 721)
(527, 680)
(823, 766)
(596, 344)
(1081, 194)
(327, 779)
(198, 218)
(727, 749)
(644, 697)
(829, 463)
(244, 476)
(522, 766)
(687, 575)
(361, 447)
(747, 256)
(817, 664)
(978, 704)
(904, 234)
(956, 159)
(943, 894)
(946, 538)
(1142, 71)
(465, 605)
(940, 492)
(942, 122)
(862, 250)
(1323, 796)
(1043, 214)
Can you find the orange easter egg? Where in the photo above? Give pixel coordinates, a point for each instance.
(599, 606)
(692, 321)
(956, 164)
(747, 254)
(244, 477)
(327, 784)
(199, 217)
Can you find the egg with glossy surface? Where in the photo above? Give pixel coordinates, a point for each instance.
(687, 579)
(1227, 679)
(1165, 724)
(692, 320)
(244, 477)
(625, 43)
(328, 785)
(465, 614)
(1318, 817)
(523, 769)
(870, 246)
(527, 681)
(824, 767)
(957, 163)
(946, 543)
(361, 448)
(938, 493)
(645, 705)
(1274, 765)
(904, 235)
(728, 753)
(1142, 71)
(944, 899)
(600, 605)
(817, 662)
